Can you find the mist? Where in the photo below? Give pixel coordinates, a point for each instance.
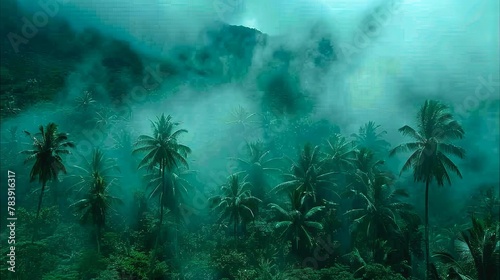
(290, 72)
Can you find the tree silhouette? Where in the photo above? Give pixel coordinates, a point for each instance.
(258, 168)
(164, 152)
(236, 203)
(308, 175)
(340, 153)
(368, 137)
(96, 179)
(48, 146)
(297, 223)
(429, 160)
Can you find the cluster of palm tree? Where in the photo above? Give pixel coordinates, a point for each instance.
(311, 185)
(164, 156)
(351, 170)
(377, 208)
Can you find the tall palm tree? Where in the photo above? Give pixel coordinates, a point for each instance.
(162, 151)
(297, 223)
(429, 159)
(235, 203)
(308, 175)
(258, 168)
(48, 146)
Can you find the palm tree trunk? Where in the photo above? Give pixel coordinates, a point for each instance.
(155, 250)
(162, 167)
(235, 227)
(407, 255)
(296, 245)
(161, 213)
(97, 235)
(38, 213)
(427, 255)
(176, 213)
(160, 223)
(176, 235)
(40, 201)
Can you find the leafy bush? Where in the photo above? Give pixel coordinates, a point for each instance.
(229, 262)
(136, 265)
(331, 273)
(90, 264)
(380, 272)
(31, 260)
(62, 273)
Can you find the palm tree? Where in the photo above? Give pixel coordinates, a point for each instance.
(258, 168)
(381, 211)
(48, 146)
(367, 164)
(297, 223)
(241, 117)
(340, 152)
(307, 175)
(96, 178)
(104, 118)
(235, 203)
(487, 205)
(478, 250)
(163, 152)
(369, 137)
(429, 158)
(98, 167)
(95, 206)
(177, 188)
(122, 141)
(408, 241)
(85, 101)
